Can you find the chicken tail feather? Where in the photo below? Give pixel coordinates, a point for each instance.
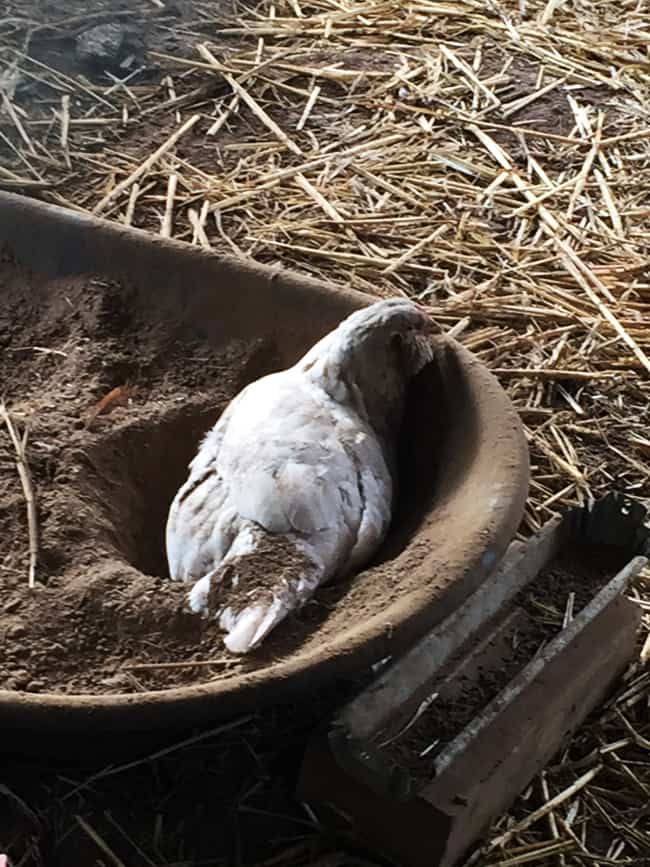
(245, 630)
(264, 578)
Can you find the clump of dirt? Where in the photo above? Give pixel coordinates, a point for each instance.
(579, 569)
(254, 577)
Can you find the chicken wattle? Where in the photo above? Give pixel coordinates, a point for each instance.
(295, 483)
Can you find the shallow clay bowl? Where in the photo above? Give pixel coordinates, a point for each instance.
(464, 465)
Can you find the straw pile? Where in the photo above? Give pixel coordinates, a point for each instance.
(490, 158)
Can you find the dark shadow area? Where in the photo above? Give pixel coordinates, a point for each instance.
(438, 441)
(140, 471)
(227, 798)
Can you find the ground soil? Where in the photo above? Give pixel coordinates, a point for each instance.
(580, 569)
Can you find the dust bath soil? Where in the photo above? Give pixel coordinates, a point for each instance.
(580, 569)
(103, 606)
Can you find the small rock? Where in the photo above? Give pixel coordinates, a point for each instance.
(12, 605)
(101, 44)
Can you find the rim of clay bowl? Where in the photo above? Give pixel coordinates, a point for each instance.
(466, 532)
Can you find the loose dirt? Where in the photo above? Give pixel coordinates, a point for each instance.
(580, 569)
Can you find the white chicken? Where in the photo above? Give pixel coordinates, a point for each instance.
(300, 465)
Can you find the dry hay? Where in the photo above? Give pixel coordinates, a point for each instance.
(491, 159)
